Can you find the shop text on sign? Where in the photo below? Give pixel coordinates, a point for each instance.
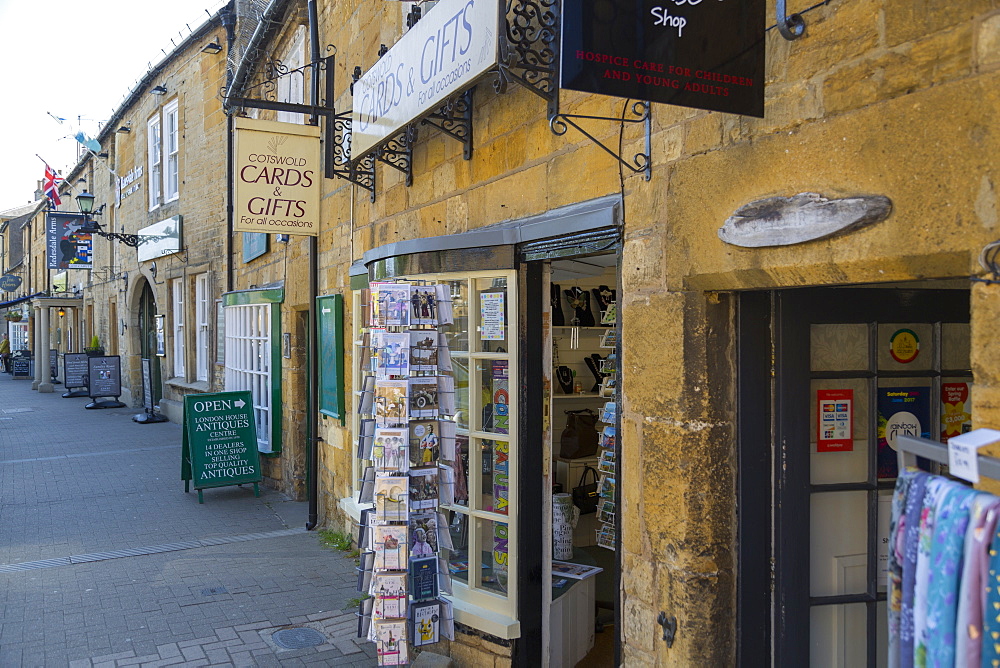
(277, 178)
(692, 53)
(220, 440)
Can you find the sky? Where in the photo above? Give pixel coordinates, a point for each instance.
(76, 60)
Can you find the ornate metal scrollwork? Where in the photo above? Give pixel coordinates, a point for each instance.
(359, 172)
(641, 162)
(398, 152)
(454, 118)
(529, 53)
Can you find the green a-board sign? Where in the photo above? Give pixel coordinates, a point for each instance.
(220, 442)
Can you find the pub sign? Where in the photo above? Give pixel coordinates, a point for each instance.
(705, 54)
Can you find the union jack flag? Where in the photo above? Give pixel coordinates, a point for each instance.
(50, 186)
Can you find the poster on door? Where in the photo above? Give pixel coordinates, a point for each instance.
(902, 411)
(835, 421)
(956, 410)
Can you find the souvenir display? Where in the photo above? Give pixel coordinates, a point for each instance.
(579, 301)
(607, 464)
(407, 403)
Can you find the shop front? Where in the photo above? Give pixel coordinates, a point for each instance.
(520, 345)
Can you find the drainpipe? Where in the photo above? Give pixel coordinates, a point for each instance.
(312, 414)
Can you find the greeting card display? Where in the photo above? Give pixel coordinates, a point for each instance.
(392, 354)
(423, 305)
(392, 305)
(423, 397)
(423, 534)
(425, 439)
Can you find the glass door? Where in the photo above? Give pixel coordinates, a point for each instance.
(854, 369)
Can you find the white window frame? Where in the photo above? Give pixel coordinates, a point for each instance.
(177, 300)
(248, 362)
(154, 148)
(474, 605)
(171, 157)
(203, 312)
(291, 86)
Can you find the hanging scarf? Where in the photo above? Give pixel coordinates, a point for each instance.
(991, 616)
(914, 508)
(897, 532)
(936, 488)
(951, 521)
(975, 571)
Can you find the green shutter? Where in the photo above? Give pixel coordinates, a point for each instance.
(330, 335)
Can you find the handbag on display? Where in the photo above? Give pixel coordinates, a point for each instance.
(585, 495)
(580, 437)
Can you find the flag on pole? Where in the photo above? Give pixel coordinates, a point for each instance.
(50, 186)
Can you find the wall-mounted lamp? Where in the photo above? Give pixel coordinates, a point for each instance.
(61, 312)
(159, 90)
(124, 128)
(212, 47)
(102, 154)
(152, 269)
(85, 201)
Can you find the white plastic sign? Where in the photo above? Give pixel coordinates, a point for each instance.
(963, 461)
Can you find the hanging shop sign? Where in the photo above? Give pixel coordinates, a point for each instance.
(705, 55)
(278, 174)
(219, 447)
(9, 282)
(835, 420)
(65, 246)
(441, 56)
(159, 239)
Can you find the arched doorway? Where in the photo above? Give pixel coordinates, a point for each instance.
(147, 338)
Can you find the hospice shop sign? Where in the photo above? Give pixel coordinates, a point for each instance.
(441, 56)
(277, 177)
(706, 54)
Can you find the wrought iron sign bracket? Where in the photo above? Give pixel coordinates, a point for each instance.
(791, 26)
(398, 152)
(642, 162)
(528, 52)
(454, 119)
(360, 172)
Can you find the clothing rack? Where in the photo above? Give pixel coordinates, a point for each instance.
(911, 447)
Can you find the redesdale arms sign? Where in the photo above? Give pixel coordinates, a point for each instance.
(706, 54)
(277, 178)
(441, 56)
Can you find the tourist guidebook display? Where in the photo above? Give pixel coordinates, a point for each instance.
(407, 436)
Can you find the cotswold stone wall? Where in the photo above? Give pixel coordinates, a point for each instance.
(882, 97)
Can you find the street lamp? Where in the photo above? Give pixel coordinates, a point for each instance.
(85, 201)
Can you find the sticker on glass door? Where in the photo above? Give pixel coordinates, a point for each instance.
(835, 421)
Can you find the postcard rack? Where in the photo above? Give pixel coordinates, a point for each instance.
(911, 447)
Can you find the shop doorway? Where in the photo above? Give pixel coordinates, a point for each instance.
(571, 312)
(147, 338)
(826, 378)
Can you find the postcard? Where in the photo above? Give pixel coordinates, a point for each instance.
(365, 619)
(444, 354)
(446, 429)
(391, 498)
(392, 354)
(366, 396)
(446, 395)
(423, 352)
(423, 305)
(423, 397)
(390, 548)
(424, 489)
(391, 642)
(390, 402)
(426, 443)
(392, 305)
(366, 564)
(423, 534)
(367, 492)
(445, 313)
(424, 577)
(389, 449)
(389, 592)
(426, 623)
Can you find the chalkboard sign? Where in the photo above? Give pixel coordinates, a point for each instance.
(54, 363)
(220, 441)
(21, 367)
(105, 376)
(147, 384)
(76, 370)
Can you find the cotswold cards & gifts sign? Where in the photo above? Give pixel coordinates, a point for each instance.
(277, 180)
(441, 56)
(706, 54)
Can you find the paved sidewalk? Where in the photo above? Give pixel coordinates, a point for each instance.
(105, 561)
